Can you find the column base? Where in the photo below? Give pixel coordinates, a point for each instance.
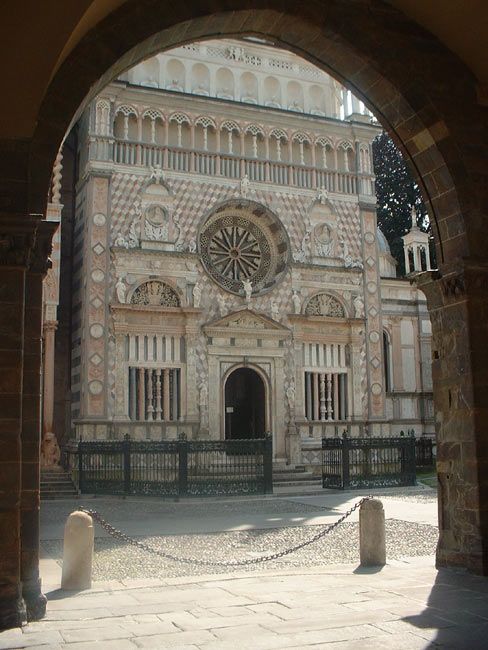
(35, 601)
(12, 611)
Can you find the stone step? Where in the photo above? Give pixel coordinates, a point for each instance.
(56, 484)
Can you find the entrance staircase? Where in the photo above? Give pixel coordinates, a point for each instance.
(294, 478)
(56, 484)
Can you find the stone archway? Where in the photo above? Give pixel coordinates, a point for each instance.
(432, 113)
(245, 405)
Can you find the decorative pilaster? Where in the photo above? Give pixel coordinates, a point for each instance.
(458, 304)
(374, 327)
(17, 238)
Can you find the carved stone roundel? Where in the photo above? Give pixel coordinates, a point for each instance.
(243, 240)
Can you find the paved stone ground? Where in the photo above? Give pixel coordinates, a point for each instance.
(405, 605)
(299, 604)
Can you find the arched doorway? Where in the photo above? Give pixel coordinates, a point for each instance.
(245, 405)
(419, 103)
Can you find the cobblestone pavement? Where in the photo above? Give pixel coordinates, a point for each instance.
(116, 560)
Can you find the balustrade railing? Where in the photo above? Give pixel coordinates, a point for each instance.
(229, 166)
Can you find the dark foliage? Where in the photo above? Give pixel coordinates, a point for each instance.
(396, 192)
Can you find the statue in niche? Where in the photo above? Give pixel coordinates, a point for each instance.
(358, 303)
(275, 310)
(247, 286)
(222, 305)
(297, 303)
(192, 246)
(324, 240)
(121, 290)
(156, 224)
(301, 254)
(197, 295)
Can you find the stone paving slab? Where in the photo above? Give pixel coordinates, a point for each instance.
(407, 605)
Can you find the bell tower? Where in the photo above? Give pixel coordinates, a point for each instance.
(416, 248)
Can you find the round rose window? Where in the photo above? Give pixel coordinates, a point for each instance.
(244, 241)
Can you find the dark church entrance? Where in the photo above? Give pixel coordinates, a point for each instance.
(244, 405)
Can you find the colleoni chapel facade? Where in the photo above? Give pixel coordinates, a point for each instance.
(235, 281)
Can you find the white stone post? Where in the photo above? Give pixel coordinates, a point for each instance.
(78, 552)
(372, 549)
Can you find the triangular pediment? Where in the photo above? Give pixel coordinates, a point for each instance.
(246, 319)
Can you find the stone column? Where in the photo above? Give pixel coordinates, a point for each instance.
(458, 305)
(35, 601)
(49, 329)
(17, 236)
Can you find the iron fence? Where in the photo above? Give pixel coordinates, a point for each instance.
(424, 453)
(367, 462)
(172, 468)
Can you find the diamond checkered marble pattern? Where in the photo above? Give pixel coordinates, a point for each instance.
(195, 199)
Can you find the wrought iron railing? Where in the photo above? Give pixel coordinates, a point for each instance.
(173, 467)
(368, 462)
(424, 453)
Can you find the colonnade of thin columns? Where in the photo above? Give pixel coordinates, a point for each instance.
(326, 396)
(150, 395)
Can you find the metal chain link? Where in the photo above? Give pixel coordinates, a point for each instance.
(117, 534)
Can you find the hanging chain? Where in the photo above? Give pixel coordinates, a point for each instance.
(185, 560)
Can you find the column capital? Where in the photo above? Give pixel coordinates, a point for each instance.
(17, 239)
(453, 282)
(40, 261)
(50, 325)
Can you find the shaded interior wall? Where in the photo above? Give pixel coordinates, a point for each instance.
(62, 361)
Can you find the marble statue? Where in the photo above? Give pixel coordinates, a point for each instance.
(275, 310)
(197, 295)
(121, 290)
(297, 303)
(247, 286)
(358, 307)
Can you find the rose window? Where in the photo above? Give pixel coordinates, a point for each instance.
(243, 240)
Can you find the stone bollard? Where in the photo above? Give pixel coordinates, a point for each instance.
(372, 549)
(78, 552)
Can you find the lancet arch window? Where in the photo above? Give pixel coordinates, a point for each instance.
(231, 128)
(179, 130)
(152, 126)
(205, 127)
(346, 160)
(280, 137)
(125, 125)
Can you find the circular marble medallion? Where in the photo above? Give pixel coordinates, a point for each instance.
(243, 240)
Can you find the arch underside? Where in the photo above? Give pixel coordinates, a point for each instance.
(374, 51)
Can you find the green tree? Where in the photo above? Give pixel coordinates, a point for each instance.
(396, 192)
